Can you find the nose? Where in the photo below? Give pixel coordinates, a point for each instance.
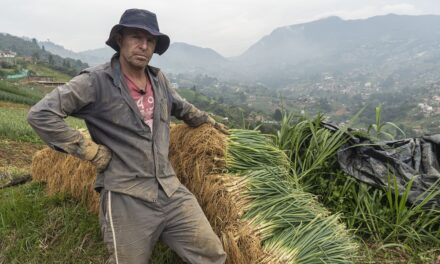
(143, 43)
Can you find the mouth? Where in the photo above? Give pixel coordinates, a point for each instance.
(140, 57)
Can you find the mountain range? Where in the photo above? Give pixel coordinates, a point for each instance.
(389, 46)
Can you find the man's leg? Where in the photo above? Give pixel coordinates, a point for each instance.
(130, 227)
(189, 233)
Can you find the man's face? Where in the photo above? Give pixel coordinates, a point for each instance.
(136, 47)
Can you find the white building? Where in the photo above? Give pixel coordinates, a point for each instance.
(7, 54)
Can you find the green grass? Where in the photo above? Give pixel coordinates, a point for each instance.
(383, 130)
(11, 97)
(311, 147)
(35, 228)
(42, 70)
(7, 71)
(13, 125)
(382, 215)
(20, 89)
(13, 93)
(392, 253)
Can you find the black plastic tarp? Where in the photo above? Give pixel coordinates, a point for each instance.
(413, 158)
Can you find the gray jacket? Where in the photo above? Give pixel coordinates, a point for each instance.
(100, 96)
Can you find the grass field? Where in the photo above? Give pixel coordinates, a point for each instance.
(45, 71)
(13, 124)
(37, 229)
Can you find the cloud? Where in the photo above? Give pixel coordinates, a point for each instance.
(407, 9)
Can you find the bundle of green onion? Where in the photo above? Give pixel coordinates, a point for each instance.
(293, 226)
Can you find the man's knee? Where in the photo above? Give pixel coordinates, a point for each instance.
(213, 249)
(208, 243)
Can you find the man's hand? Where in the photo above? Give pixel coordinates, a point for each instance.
(219, 126)
(222, 128)
(102, 158)
(99, 155)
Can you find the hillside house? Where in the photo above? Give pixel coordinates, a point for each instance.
(7, 54)
(426, 109)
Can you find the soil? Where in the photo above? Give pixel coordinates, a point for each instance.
(4, 104)
(17, 154)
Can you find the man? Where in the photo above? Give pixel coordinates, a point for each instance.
(126, 105)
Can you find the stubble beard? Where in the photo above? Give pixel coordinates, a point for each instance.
(136, 59)
(138, 63)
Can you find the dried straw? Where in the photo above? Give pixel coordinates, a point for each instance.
(66, 174)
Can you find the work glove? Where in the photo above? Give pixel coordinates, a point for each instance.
(98, 155)
(219, 126)
(102, 158)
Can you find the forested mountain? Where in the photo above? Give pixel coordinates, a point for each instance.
(31, 49)
(92, 57)
(390, 46)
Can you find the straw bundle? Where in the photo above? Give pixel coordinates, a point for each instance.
(66, 174)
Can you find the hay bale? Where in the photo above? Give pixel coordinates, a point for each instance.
(66, 174)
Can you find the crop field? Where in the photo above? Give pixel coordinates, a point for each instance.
(45, 71)
(13, 125)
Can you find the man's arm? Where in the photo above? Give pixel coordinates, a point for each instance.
(47, 118)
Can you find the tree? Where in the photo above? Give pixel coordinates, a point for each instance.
(51, 60)
(36, 56)
(278, 115)
(242, 97)
(66, 63)
(324, 105)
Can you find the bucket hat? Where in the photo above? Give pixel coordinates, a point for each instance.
(142, 19)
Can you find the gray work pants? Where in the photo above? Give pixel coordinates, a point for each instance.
(131, 227)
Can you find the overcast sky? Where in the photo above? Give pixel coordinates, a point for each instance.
(227, 26)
